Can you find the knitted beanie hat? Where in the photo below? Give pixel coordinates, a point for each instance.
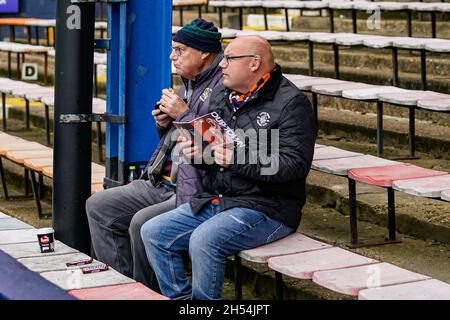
(201, 35)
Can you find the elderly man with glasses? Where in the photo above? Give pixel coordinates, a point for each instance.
(116, 215)
(250, 197)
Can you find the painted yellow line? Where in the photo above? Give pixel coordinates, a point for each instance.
(19, 102)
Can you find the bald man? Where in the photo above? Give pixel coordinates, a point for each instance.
(254, 193)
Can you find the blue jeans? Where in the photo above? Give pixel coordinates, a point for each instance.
(210, 236)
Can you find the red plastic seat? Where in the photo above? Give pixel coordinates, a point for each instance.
(130, 291)
(384, 176)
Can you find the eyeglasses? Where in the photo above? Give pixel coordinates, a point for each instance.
(228, 59)
(179, 51)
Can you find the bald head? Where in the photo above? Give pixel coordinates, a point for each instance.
(242, 73)
(258, 46)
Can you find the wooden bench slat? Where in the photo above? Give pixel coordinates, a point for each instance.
(306, 84)
(132, 291)
(304, 265)
(341, 5)
(18, 236)
(90, 280)
(294, 243)
(3, 216)
(445, 195)
(352, 280)
(189, 2)
(37, 90)
(414, 43)
(21, 156)
(422, 290)
(96, 188)
(410, 98)
(443, 7)
(16, 146)
(380, 42)
(38, 164)
(274, 4)
(30, 250)
(97, 176)
(54, 262)
(425, 187)
(13, 224)
(350, 40)
(15, 21)
(295, 36)
(336, 89)
(316, 4)
(423, 7)
(436, 105)
(370, 93)
(342, 165)
(333, 153)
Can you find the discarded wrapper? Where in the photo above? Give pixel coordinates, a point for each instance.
(79, 262)
(94, 269)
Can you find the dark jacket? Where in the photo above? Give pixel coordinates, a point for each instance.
(281, 196)
(188, 177)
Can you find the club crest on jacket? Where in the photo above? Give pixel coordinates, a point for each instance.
(263, 119)
(205, 95)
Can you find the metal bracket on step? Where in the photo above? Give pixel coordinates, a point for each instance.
(84, 118)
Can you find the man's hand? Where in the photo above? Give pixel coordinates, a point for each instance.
(223, 155)
(163, 120)
(172, 104)
(189, 150)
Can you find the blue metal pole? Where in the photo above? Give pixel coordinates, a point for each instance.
(149, 37)
(112, 89)
(138, 69)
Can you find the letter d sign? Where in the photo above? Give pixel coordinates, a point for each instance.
(30, 71)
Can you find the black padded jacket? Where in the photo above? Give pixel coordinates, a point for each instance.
(275, 187)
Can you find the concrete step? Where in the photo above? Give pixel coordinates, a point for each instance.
(392, 23)
(431, 137)
(365, 59)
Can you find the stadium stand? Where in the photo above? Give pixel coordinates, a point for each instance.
(331, 6)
